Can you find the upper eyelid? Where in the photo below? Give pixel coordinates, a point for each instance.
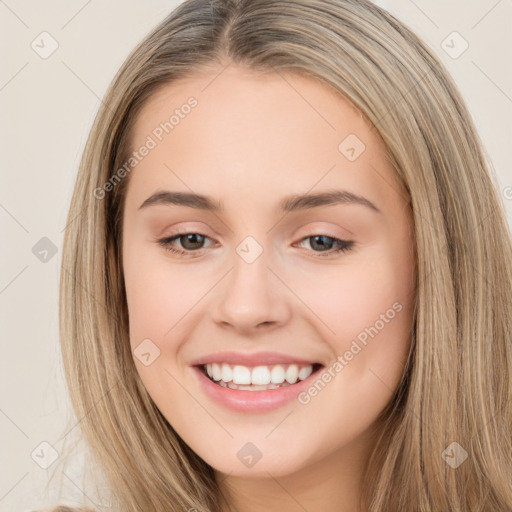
(198, 226)
(177, 236)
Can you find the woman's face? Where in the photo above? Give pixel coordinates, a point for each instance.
(291, 280)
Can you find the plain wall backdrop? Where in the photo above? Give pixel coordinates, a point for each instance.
(57, 60)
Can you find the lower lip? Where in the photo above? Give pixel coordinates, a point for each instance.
(252, 401)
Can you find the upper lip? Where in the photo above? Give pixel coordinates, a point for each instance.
(251, 359)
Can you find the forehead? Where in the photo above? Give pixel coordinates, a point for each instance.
(265, 102)
(247, 128)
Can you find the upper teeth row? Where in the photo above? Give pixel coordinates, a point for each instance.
(259, 375)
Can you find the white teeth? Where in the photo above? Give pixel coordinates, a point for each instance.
(227, 373)
(260, 376)
(252, 387)
(241, 375)
(277, 375)
(292, 374)
(305, 372)
(264, 377)
(217, 375)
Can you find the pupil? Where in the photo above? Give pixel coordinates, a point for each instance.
(322, 245)
(191, 237)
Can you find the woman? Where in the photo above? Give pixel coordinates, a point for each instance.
(253, 372)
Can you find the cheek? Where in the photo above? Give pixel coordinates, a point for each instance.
(351, 298)
(369, 310)
(157, 294)
(366, 313)
(159, 297)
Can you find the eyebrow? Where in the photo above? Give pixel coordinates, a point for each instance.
(296, 202)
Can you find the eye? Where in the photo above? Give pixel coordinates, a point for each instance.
(193, 242)
(323, 240)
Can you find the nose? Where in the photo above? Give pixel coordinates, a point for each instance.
(251, 298)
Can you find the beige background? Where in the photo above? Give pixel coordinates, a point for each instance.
(47, 108)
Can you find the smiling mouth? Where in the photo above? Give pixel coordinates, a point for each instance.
(258, 378)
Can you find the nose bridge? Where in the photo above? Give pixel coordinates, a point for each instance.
(250, 264)
(251, 294)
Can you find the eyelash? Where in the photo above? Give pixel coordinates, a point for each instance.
(343, 246)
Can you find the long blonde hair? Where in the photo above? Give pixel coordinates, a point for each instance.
(457, 385)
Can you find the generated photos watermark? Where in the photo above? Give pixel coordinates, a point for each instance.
(152, 141)
(328, 374)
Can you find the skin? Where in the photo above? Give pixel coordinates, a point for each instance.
(252, 140)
